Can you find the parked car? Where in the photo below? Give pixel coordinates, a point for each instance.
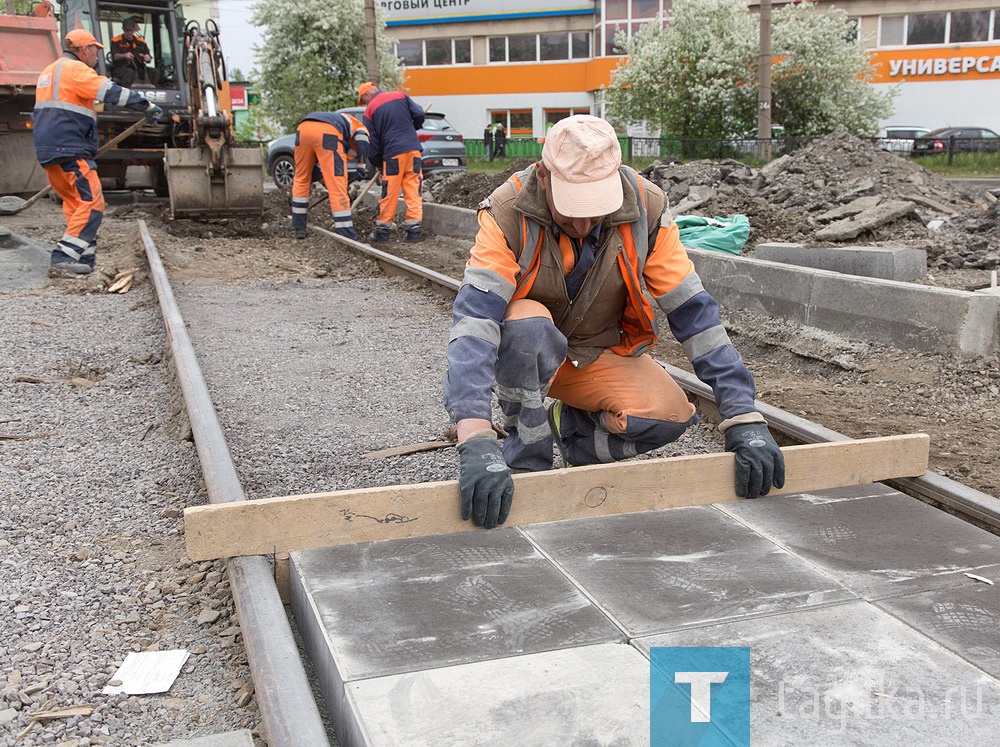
(443, 150)
(899, 139)
(958, 139)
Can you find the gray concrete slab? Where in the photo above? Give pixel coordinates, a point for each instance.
(852, 675)
(666, 570)
(591, 695)
(23, 263)
(875, 541)
(964, 618)
(384, 608)
(906, 315)
(887, 263)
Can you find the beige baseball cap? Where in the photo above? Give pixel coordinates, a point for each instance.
(582, 155)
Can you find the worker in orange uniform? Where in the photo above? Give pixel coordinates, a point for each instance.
(392, 119)
(329, 139)
(553, 305)
(130, 55)
(66, 142)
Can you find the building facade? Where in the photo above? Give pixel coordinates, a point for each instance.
(528, 63)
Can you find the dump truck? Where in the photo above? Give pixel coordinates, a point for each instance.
(27, 45)
(191, 154)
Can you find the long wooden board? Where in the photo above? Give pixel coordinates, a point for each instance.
(296, 522)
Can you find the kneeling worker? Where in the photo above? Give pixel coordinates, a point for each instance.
(552, 304)
(329, 139)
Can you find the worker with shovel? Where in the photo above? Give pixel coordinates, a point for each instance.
(66, 142)
(553, 304)
(329, 140)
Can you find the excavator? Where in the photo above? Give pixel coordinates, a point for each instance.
(191, 154)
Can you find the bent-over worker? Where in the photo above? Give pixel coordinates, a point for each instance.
(392, 119)
(329, 139)
(66, 142)
(552, 304)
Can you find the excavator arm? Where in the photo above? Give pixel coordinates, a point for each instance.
(212, 177)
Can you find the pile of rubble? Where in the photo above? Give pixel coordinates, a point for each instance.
(839, 190)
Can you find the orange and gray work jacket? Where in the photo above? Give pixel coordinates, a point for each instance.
(517, 254)
(122, 45)
(65, 123)
(353, 134)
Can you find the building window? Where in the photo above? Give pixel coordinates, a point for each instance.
(959, 27)
(411, 51)
(554, 115)
(463, 51)
(926, 28)
(517, 122)
(498, 48)
(438, 51)
(610, 32)
(580, 44)
(522, 48)
(970, 26)
(555, 46)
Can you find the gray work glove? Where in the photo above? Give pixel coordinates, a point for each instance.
(759, 462)
(153, 113)
(364, 172)
(484, 480)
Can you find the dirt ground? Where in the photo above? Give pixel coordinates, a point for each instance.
(857, 388)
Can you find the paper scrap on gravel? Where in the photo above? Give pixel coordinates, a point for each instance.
(147, 672)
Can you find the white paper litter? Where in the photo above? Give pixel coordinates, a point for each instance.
(974, 577)
(147, 672)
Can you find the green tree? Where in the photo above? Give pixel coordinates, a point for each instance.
(312, 56)
(697, 77)
(821, 78)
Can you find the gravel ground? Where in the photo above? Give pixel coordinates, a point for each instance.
(306, 380)
(95, 473)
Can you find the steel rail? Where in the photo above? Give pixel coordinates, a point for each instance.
(935, 489)
(289, 712)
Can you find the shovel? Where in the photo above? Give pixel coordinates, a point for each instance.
(364, 191)
(14, 205)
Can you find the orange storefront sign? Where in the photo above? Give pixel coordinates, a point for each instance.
(938, 63)
(549, 77)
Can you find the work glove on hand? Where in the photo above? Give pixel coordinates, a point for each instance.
(759, 461)
(484, 480)
(365, 172)
(153, 113)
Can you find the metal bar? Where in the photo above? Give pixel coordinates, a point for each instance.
(288, 710)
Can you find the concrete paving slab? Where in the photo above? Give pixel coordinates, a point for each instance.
(876, 541)
(23, 263)
(666, 570)
(592, 695)
(964, 619)
(852, 675)
(384, 608)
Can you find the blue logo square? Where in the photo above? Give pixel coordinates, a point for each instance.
(699, 697)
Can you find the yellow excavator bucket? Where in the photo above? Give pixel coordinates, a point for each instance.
(200, 189)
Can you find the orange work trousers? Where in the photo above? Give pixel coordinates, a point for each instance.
(403, 172)
(320, 142)
(79, 187)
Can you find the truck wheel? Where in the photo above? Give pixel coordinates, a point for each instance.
(283, 172)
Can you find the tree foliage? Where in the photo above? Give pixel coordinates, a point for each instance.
(696, 75)
(312, 56)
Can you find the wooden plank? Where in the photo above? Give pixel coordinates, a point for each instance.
(296, 522)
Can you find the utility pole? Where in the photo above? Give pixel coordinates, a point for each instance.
(370, 57)
(764, 82)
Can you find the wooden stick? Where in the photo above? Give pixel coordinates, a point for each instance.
(364, 191)
(324, 519)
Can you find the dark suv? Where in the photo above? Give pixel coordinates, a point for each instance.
(958, 140)
(443, 149)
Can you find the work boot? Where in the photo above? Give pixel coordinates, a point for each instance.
(300, 233)
(347, 233)
(413, 233)
(62, 265)
(379, 236)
